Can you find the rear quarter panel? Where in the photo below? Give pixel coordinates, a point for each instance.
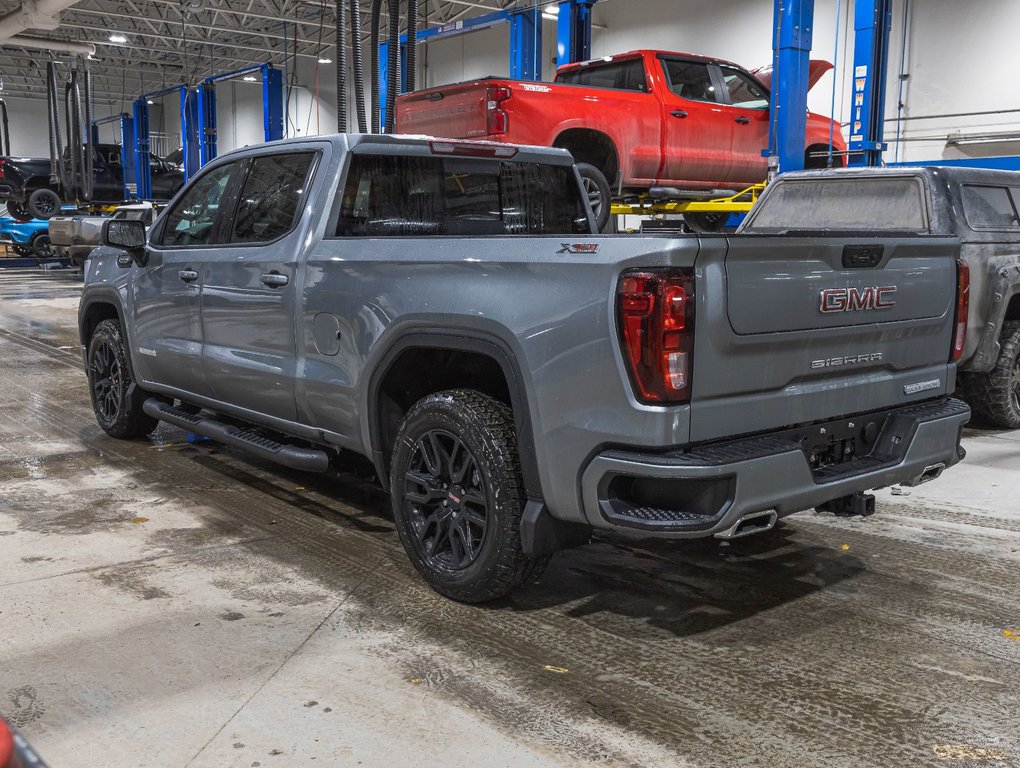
(553, 312)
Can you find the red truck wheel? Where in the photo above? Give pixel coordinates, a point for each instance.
(596, 187)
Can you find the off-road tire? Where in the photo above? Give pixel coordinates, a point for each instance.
(116, 402)
(596, 187)
(485, 428)
(994, 397)
(44, 203)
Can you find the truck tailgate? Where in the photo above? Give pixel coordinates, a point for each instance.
(813, 328)
(452, 111)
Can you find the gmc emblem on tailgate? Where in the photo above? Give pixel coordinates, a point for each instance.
(858, 299)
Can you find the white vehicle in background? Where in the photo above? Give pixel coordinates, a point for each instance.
(74, 237)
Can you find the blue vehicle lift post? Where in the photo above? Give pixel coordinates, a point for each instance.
(872, 28)
(791, 44)
(189, 136)
(573, 31)
(272, 107)
(128, 150)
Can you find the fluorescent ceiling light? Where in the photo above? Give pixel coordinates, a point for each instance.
(116, 37)
(149, 101)
(325, 61)
(248, 79)
(551, 12)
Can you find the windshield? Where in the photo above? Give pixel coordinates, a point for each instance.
(848, 204)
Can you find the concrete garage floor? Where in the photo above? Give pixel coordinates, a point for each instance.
(171, 604)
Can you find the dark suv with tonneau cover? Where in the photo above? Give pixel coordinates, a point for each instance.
(444, 309)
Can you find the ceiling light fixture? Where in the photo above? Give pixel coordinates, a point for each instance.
(551, 12)
(248, 79)
(325, 61)
(116, 37)
(149, 101)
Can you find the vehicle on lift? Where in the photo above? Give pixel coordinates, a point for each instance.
(26, 187)
(677, 126)
(74, 237)
(444, 309)
(981, 207)
(26, 238)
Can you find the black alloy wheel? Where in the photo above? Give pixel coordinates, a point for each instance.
(458, 496)
(44, 203)
(42, 248)
(447, 501)
(105, 376)
(18, 212)
(116, 401)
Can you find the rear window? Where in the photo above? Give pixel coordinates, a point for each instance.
(894, 204)
(623, 75)
(392, 196)
(989, 208)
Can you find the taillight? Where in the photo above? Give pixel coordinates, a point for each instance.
(498, 121)
(3, 166)
(655, 312)
(962, 309)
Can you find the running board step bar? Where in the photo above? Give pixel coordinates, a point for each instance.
(293, 456)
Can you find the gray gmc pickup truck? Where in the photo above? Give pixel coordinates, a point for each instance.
(444, 309)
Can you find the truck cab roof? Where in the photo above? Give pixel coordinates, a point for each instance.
(424, 145)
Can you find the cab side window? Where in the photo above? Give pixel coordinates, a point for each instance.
(271, 197)
(744, 90)
(192, 220)
(623, 75)
(989, 208)
(690, 80)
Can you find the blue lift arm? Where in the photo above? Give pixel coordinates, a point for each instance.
(791, 45)
(872, 27)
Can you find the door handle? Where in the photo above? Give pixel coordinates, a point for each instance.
(679, 113)
(743, 120)
(188, 275)
(274, 279)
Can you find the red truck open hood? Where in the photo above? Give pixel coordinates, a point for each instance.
(816, 69)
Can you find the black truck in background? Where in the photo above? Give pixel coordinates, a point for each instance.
(28, 192)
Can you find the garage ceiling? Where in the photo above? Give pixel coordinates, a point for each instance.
(170, 42)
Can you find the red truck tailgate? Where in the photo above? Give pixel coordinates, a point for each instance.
(452, 111)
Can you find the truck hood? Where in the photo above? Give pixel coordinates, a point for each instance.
(816, 69)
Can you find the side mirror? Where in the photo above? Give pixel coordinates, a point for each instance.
(129, 236)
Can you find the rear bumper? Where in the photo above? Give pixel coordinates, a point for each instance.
(710, 489)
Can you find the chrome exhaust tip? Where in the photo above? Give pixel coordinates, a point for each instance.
(755, 522)
(931, 472)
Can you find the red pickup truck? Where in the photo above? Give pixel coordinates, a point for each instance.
(695, 126)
